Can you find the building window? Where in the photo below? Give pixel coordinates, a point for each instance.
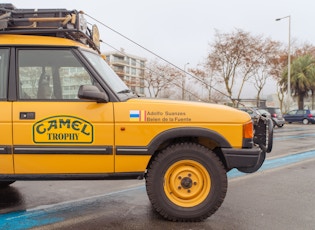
(133, 71)
(142, 64)
(133, 62)
(119, 59)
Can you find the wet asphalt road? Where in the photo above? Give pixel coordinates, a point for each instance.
(278, 198)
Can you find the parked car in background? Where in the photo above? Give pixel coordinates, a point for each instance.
(305, 116)
(276, 116)
(255, 112)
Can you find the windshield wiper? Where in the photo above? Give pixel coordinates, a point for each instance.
(125, 91)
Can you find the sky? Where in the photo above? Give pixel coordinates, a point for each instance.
(182, 31)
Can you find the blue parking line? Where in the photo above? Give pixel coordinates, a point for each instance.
(277, 162)
(28, 219)
(25, 220)
(293, 137)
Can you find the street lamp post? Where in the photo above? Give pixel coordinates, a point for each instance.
(289, 57)
(184, 82)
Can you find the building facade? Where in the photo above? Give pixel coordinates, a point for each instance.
(129, 68)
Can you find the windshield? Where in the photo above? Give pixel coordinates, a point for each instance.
(107, 73)
(262, 111)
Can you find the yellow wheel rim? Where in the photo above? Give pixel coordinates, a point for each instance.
(187, 183)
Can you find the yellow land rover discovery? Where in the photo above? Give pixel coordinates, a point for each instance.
(66, 115)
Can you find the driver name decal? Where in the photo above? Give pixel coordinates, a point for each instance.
(63, 129)
(158, 116)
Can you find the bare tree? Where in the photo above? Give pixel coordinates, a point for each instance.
(234, 56)
(277, 66)
(205, 78)
(160, 78)
(263, 67)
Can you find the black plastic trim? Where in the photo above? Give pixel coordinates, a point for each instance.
(96, 150)
(248, 142)
(5, 150)
(188, 132)
(83, 176)
(244, 158)
(125, 150)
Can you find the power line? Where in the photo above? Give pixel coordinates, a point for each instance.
(179, 86)
(153, 53)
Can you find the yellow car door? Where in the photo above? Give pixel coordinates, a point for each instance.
(54, 132)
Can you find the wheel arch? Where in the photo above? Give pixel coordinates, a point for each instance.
(206, 137)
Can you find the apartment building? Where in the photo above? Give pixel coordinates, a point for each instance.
(129, 68)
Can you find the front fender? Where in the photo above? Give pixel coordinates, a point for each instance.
(187, 132)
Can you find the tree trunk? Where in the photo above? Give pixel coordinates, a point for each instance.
(313, 97)
(301, 101)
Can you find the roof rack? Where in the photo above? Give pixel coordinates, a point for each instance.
(48, 22)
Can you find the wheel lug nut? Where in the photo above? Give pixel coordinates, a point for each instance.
(179, 187)
(189, 175)
(195, 183)
(188, 190)
(179, 177)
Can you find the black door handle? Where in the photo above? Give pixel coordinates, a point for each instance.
(27, 115)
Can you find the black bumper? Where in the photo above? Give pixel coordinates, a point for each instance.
(241, 158)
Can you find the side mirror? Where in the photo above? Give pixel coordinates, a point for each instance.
(91, 92)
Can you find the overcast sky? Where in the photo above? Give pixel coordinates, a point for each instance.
(181, 30)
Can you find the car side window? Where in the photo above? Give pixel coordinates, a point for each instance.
(293, 112)
(300, 112)
(4, 67)
(47, 74)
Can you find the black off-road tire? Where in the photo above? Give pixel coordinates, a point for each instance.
(4, 184)
(186, 182)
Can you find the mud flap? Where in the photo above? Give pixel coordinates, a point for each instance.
(260, 161)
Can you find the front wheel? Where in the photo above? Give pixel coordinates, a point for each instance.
(4, 184)
(305, 121)
(186, 182)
